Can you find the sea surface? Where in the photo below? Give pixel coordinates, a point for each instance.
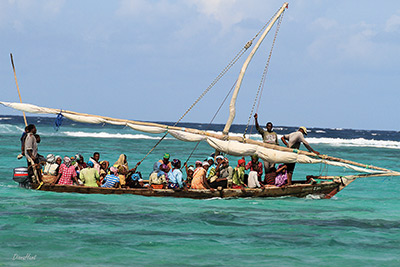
(360, 226)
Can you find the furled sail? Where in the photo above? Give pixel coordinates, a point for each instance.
(233, 146)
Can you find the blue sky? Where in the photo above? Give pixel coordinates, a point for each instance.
(335, 63)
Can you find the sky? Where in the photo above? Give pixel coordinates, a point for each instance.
(335, 64)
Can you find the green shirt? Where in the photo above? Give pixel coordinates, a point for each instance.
(268, 137)
(89, 176)
(238, 175)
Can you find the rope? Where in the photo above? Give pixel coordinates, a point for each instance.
(225, 70)
(220, 75)
(262, 82)
(208, 127)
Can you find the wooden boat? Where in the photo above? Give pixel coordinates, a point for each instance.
(232, 145)
(322, 190)
(325, 189)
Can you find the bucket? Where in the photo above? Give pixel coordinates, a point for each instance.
(21, 175)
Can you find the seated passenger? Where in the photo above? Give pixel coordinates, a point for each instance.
(95, 159)
(224, 173)
(255, 164)
(253, 177)
(66, 174)
(238, 174)
(199, 178)
(90, 176)
(158, 176)
(103, 170)
(133, 180)
(51, 166)
(80, 163)
(175, 175)
(270, 177)
(111, 180)
(211, 169)
(281, 178)
(189, 174)
(165, 160)
(215, 180)
(58, 162)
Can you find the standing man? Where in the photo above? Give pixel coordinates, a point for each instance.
(295, 139)
(269, 137)
(31, 154)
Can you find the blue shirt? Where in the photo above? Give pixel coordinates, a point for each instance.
(175, 177)
(111, 180)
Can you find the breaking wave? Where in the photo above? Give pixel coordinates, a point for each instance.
(8, 128)
(359, 142)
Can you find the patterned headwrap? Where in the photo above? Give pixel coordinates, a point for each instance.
(50, 158)
(114, 170)
(67, 161)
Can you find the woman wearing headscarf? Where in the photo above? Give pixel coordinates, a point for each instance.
(123, 170)
(90, 176)
(67, 174)
(103, 170)
(58, 162)
(199, 177)
(238, 174)
(175, 175)
(50, 168)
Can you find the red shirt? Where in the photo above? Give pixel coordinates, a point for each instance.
(66, 174)
(260, 167)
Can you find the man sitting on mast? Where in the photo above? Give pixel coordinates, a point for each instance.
(295, 139)
(269, 137)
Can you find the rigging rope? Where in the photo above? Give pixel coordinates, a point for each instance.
(208, 127)
(262, 82)
(220, 75)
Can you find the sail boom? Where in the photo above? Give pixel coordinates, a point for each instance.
(190, 135)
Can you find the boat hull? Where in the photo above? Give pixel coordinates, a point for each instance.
(323, 190)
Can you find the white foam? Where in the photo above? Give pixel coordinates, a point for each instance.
(359, 142)
(8, 128)
(320, 131)
(6, 118)
(110, 135)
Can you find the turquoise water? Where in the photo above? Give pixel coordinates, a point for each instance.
(358, 227)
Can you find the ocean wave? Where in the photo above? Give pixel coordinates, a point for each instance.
(9, 128)
(320, 131)
(6, 118)
(110, 135)
(359, 142)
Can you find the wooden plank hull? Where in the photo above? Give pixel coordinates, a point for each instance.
(299, 190)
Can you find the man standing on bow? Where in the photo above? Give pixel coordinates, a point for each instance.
(269, 137)
(295, 139)
(31, 154)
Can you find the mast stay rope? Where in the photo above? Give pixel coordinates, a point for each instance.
(220, 75)
(260, 89)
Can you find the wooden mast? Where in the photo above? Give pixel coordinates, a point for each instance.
(16, 82)
(232, 105)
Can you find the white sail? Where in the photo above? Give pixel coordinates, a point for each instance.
(230, 147)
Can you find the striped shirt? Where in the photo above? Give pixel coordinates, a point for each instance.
(111, 180)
